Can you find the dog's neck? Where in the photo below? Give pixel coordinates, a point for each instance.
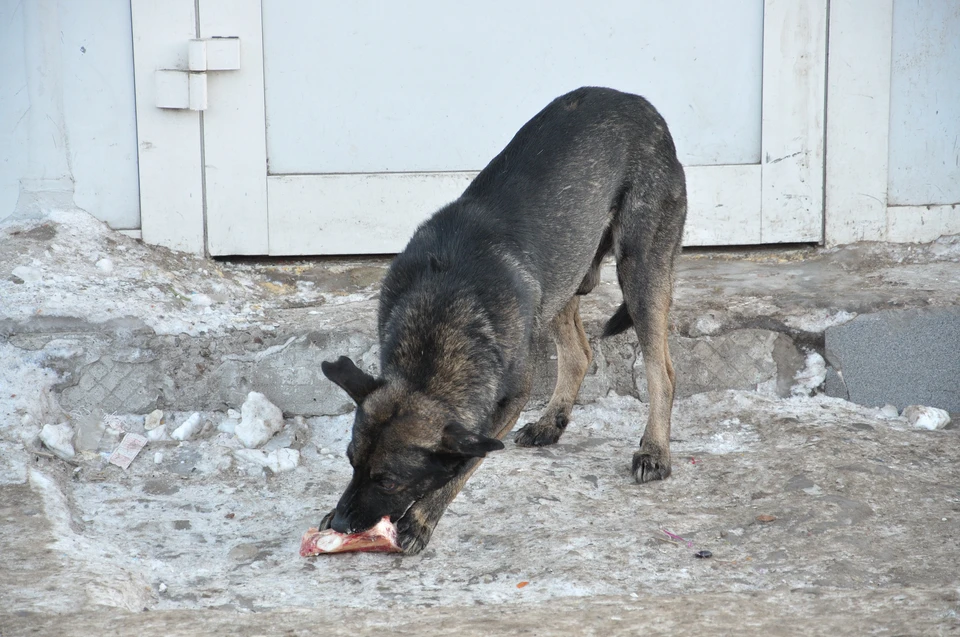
(447, 349)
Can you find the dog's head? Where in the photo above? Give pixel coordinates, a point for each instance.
(404, 446)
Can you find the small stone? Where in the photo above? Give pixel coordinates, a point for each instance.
(230, 516)
(158, 457)
(105, 265)
(152, 420)
(162, 588)
(765, 518)
(923, 417)
(704, 554)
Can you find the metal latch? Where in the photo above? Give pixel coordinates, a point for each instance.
(187, 88)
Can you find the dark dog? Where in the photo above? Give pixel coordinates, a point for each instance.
(595, 171)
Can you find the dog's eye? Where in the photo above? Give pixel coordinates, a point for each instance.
(388, 486)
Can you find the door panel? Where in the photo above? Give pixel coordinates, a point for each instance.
(366, 86)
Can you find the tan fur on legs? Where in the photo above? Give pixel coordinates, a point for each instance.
(573, 361)
(652, 461)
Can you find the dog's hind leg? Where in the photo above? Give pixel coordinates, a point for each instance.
(645, 270)
(573, 361)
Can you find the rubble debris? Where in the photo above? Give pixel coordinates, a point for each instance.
(153, 419)
(59, 440)
(923, 417)
(260, 420)
(190, 427)
(704, 554)
(129, 448)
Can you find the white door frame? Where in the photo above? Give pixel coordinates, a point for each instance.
(858, 131)
(228, 210)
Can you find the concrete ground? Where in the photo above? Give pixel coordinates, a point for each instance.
(823, 516)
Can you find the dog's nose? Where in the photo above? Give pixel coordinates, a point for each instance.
(340, 524)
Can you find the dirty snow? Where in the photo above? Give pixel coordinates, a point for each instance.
(924, 417)
(81, 268)
(813, 374)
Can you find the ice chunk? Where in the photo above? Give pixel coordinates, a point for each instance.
(58, 439)
(188, 429)
(277, 460)
(923, 417)
(158, 433)
(152, 421)
(889, 412)
(27, 274)
(260, 419)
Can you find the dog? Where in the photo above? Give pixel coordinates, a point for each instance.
(594, 172)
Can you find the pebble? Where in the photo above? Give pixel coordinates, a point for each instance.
(766, 518)
(158, 457)
(162, 588)
(703, 554)
(105, 265)
(923, 417)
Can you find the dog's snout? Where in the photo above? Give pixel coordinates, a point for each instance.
(340, 524)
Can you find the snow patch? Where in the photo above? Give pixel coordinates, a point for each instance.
(813, 374)
(819, 320)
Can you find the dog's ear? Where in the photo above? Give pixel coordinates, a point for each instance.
(356, 382)
(460, 441)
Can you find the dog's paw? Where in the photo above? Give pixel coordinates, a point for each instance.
(650, 465)
(327, 519)
(412, 535)
(545, 431)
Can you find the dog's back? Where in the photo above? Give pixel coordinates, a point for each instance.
(553, 198)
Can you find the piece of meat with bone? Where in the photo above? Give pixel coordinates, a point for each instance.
(382, 538)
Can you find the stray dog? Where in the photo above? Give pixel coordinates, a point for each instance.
(460, 308)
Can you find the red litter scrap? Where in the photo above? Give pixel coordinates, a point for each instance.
(674, 536)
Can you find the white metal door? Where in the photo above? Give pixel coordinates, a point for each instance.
(349, 123)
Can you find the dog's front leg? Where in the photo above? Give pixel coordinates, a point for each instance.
(415, 528)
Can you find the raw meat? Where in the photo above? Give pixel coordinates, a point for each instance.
(382, 538)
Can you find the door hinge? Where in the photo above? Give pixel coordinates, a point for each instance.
(187, 88)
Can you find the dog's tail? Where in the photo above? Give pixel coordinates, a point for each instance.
(619, 322)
